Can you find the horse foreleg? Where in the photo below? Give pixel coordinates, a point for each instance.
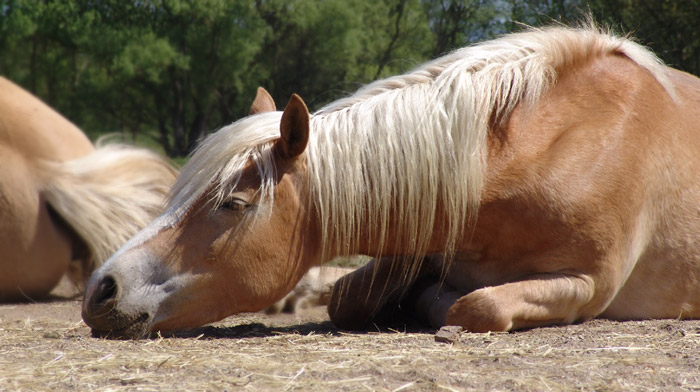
(357, 298)
(547, 299)
(431, 298)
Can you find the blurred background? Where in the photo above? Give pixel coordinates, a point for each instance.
(164, 73)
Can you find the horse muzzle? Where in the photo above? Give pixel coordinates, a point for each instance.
(121, 298)
(102, 313)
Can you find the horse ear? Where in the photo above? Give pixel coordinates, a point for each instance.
(294, 128)
(262, 103)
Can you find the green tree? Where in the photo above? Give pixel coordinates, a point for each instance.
(323, 49)
(456, 23)
(37, 48)
(177, 69)
(178, 65)
(175, 66)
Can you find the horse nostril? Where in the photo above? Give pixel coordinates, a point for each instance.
(106, 290)
(100, 303)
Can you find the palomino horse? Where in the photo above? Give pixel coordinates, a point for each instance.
(543, 178)
(64, 203)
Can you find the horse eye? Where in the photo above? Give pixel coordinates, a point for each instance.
(235, 204)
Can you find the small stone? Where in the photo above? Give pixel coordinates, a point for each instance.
(448, 334)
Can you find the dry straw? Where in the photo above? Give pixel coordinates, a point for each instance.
(300, 353)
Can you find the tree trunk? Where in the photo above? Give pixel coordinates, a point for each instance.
(163, 136)
(197, 130)
(178, 117)
(398, 12)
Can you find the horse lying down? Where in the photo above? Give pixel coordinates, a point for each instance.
(66, 205)
(546, 177)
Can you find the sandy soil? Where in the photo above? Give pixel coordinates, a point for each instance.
(46, 346)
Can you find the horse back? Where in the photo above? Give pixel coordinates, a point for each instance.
(34, 130)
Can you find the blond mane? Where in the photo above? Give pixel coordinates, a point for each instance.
(217, 162)
(400, 147)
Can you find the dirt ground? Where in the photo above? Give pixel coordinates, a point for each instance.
(46, 346)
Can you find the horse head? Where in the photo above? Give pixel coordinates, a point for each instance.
(235, 237)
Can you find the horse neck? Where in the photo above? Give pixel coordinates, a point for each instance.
(405, 157)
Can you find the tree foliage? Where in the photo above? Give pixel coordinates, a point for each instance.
(177, 69)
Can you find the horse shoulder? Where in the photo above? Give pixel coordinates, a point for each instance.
(573, 180)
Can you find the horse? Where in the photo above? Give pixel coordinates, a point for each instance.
(545, 177)
(69, 206)
(65, 204)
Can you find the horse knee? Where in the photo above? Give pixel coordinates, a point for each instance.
(479, 312)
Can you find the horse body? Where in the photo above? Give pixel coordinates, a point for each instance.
(53, 182)
(544, 178)
(28, 234)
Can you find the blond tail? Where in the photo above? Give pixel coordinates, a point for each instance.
(107, 197)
